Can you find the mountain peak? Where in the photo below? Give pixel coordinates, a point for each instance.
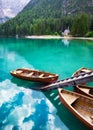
(10, 8)
(49, 17)
(57, 8)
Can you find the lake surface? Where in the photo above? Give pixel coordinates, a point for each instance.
(22, 108)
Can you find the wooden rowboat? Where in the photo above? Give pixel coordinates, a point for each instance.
(34, 75)
(82, 70)
(83, 89)
(81, 106)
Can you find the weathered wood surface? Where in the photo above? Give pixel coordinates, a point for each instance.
(72, 81)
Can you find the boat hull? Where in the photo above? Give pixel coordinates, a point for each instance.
(83, 89)
(79, 105)
(37, 76)
(82, 70)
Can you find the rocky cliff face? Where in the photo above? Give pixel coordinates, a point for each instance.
(44, 8)
(1, 12)
(66, 7)
(10, 8)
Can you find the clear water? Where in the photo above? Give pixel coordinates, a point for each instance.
(22, 108)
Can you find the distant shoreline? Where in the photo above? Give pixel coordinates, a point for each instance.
(56, 37)
(43, 37)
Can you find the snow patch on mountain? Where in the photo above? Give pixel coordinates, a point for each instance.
(10, 8)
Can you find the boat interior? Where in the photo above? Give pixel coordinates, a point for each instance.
(91, 91)
(70, 98)
(29, 73)
(85, 89)
(81, 71)
(88, 90)
(84, 107)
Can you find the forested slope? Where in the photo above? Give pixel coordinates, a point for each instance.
(51, 17)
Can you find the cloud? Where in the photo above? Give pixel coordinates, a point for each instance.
(26, 109)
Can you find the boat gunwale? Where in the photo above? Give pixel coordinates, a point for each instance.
(77, 88)
(46, 78)
(72, 109)
(82, 70)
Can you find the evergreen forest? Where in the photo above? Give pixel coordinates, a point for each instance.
(51, 17)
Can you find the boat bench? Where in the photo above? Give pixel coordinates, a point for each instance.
(30, 74)
(40, 76)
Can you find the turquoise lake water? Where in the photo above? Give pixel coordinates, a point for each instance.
(22, 108)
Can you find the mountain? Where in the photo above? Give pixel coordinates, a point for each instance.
(10, 8)
(58, 8)
(1, 13)
(48, 17)
(44, 8)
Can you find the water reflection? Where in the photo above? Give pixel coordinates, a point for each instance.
(48, 55)
(24, 109)
(65, 42)
(40, 116)
(7, 107)
(27, 84)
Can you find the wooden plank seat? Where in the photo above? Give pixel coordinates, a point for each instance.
(19, 71)
(34, 75)
(30, 74)
(41, 75)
